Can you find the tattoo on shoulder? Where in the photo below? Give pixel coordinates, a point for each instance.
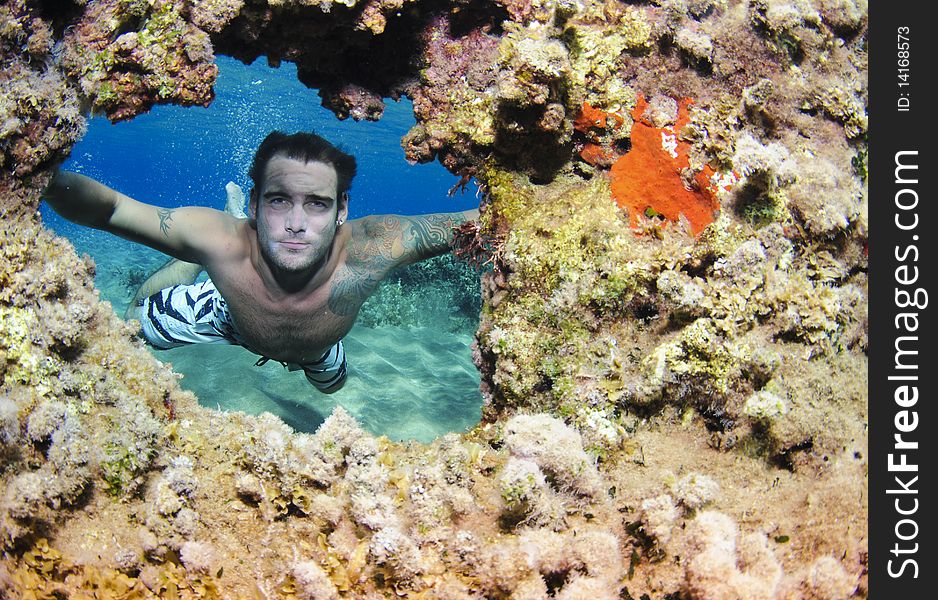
(166, 215)
(377, 245)
(350, 288)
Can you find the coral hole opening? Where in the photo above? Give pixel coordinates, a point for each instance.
(411, 374)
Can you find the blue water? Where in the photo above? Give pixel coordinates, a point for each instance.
(175, 156)
(404, 382)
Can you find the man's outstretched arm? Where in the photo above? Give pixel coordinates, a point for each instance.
(184, 233)
(402, 240)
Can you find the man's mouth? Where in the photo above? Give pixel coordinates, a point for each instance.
(294, 245)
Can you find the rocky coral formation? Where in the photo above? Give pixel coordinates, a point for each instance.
(673, 406)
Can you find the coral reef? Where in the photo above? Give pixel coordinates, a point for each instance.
(32, 93)
(128, 55)
(675, 388)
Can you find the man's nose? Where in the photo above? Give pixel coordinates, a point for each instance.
(296, 220)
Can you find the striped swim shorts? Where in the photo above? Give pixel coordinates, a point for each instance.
(197, 314)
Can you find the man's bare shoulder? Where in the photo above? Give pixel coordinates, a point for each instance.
(375, 240)
(219, 235)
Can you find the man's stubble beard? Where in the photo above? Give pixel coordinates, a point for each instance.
(273, 258)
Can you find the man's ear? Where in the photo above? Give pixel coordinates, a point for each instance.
(342, 212)
(252, 208)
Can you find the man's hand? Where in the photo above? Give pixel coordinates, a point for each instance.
(80, 199)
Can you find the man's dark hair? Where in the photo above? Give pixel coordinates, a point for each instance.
(307, 147)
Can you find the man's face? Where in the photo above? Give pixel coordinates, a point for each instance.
(296, 209)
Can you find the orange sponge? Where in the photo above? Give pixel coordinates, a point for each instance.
(647, 179)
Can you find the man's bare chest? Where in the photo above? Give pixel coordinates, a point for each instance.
(293, 329)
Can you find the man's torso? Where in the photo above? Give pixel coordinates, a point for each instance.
(295, 328)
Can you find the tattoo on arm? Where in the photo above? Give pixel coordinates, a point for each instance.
(166, 215)
(429, 235)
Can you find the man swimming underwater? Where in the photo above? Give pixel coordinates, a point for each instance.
(288, 281)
